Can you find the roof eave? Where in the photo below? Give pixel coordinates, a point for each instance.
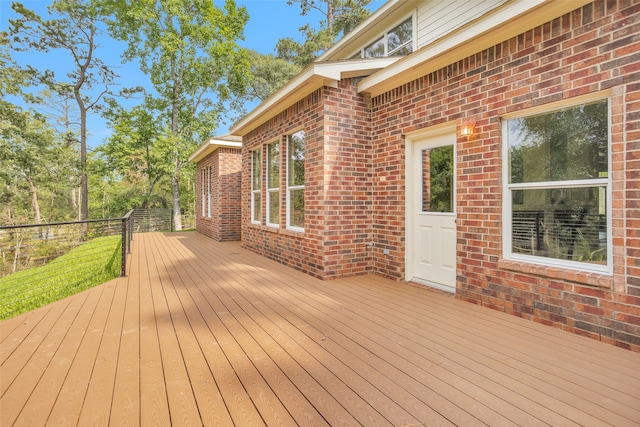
(313, 77)
(212, 144)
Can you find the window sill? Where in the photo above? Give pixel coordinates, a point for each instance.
(278, 230)
(599, 280)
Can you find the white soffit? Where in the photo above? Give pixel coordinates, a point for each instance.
(510, 20)
(212, 144)
(311, 78)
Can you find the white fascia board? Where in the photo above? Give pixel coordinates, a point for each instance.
(506, 22)
(313, 77)
(212, 144)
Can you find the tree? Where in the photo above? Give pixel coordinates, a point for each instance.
(339, 18)
(138, 148)
(268, 74)
(74, 29)
(189, 50)
(33, 159)
(12, 77)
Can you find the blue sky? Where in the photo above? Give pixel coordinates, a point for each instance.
(269, 21)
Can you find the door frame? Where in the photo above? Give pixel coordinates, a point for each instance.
(411, 139)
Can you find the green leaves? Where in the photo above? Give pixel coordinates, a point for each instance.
(269, 73)
(340, 17)
(35, 161)
(189, 50)
(73, 29)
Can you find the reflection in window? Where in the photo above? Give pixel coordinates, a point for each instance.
(256, 186)
(399, 39)
(209, 191)
(295, 180)
(273, 183)
(396, 42)
(437, 179)
(375, 49)
(561, 223)
(203, 191)
(558, 183)
(564, 145)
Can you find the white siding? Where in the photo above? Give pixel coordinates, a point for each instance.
(438, 18)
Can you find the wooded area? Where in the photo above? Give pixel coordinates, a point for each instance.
(197, 76)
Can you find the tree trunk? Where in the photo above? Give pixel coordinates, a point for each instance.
(82, 107)
(175, 180)
(74, 200)
(330, 13)
(79, 205)
(177, 214)
(34, 202)
(84, 186)
(16, 254)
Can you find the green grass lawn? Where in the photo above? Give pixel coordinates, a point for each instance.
(90, 264)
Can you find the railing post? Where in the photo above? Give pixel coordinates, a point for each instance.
(131, 217)
(123, 268)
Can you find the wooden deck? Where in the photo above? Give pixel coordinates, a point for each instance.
(208, 333)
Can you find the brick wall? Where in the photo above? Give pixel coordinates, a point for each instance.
(303, 251)
(338, 218)
(594, 48)
(348, 182)
(226, 170)
(228, 197)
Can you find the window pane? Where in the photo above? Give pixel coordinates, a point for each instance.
(570, 144)
(296, 159)
(202, 187)
(437, 179)
(274, 207)
(561, 223)
(257, 207)
(400, 35)
(296, 210)
(403, 50)
(256, 170)
(375, 50)
(273, 166)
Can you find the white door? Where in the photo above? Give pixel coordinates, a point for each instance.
(431, 218)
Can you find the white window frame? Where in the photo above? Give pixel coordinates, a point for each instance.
(208, 191)
(385, 35)
(255, 191)
(203, 174)
(508, 188)
(291, 188)
(275, 191)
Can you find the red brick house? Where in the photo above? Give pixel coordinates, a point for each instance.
(218, 180)
(490, 149)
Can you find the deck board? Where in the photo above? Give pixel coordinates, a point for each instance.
(96, 408)
(208, 333)
(67, 408)
(154, 410)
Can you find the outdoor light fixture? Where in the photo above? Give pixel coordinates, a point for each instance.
(467, 127)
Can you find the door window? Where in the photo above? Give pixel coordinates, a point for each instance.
(437, 179)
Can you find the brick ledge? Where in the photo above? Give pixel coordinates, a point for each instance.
(277, 230)
(599, 280)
